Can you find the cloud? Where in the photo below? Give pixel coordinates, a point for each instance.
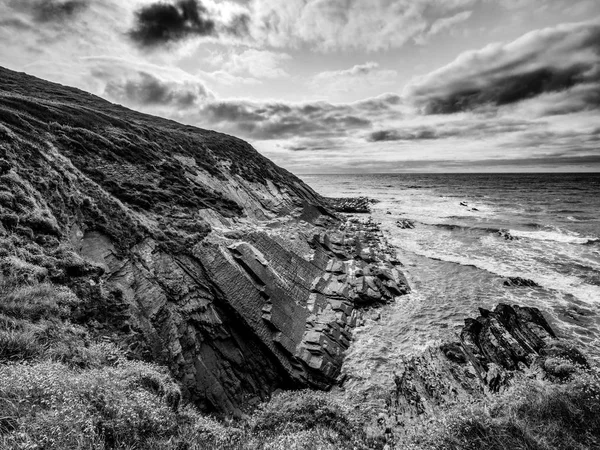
(168, 22)
(448, 22)
(330, 25)
(315, 144)
(45, 11)
(357, 76)
(257, 63)
(326, 25)
(466, 127)
(147, 86)
(543, 61)
(147, 90)
(274, 120)
(239, 26)
(56, 10)
(397, 135)
(163, 23)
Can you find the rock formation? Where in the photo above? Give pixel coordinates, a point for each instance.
(507, 236)
(186, 246)
(405, 224)
(357, 205)
(522, 282)
(492, 349)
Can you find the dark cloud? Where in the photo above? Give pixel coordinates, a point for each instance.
(509, 89)
(239, 26)
(542, 62)
(46, 11)
(282, 121)
(310, 144)
(56, 11)
(163, 23)
(469, 129)
(147, 90)
(396, 135)
(383, 102)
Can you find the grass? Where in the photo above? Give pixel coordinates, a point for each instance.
(531, 415)
(61, 389)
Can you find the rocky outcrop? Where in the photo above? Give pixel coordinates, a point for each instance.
(405, 224)
(357, 205)
(506, 235)
(492, 349)
(185, 246)
(520, 282)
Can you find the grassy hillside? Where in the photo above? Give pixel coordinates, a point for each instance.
(142, 162)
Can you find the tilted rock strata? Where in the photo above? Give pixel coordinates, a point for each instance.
(356, 205)
(492, 349)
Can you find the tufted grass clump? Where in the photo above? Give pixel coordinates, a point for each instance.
(53, 406)
(308, 419)
(531, 415)
(38, 301)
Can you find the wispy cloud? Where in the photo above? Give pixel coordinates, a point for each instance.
(355, 77)
(257, 63)
(446, 23)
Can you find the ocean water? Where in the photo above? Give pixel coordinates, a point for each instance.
(456, 260)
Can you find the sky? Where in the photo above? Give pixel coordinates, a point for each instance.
(339, 86)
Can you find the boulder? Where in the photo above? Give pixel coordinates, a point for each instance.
(520, 282)
(405, 224)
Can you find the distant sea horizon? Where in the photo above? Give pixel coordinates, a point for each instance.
(586, 172)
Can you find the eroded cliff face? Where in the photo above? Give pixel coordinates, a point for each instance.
(186, 246)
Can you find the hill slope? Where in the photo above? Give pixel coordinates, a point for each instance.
(184, 246)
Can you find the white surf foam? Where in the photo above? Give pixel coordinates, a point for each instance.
(556, 236)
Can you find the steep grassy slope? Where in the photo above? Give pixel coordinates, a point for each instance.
(155, 167)
(113, 204)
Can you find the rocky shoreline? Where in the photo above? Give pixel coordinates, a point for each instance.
(492, 352)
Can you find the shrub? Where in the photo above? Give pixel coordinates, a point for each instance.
(18, 345)
(532, 415)
(38, 301)
(49, 405)
(308, 416)
(15, 267)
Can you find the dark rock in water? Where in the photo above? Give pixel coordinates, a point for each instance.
(492, 349)
(518, 281)
(356, 205)
(405, 224)
(507, 236)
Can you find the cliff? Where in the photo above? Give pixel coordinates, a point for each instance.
(184, 246)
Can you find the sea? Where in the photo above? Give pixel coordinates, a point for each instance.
(457, 257)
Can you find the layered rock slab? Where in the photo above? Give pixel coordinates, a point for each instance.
(492, 349)
(246, 314)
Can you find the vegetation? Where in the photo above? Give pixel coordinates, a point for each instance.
(532, 415)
